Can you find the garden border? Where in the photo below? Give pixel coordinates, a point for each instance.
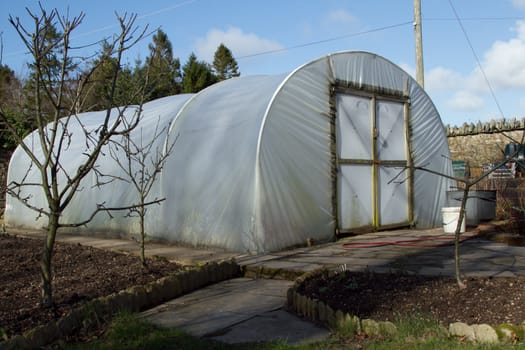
(317, 311)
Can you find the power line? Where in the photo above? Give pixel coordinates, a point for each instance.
(477, 58)
(311, 43)
(479, 19)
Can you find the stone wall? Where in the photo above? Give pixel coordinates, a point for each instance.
(483, 148)
(483, 143)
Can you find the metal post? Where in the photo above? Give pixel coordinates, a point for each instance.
(419, 43)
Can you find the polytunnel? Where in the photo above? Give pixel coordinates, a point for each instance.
(262, 163)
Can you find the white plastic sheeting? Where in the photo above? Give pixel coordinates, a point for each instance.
(253, 165)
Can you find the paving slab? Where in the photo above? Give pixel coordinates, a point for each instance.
(288, 265)
(238, 310)
(269, 327)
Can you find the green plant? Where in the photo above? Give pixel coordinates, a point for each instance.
(3, 334)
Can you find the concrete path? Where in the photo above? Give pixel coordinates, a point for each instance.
(246, 310)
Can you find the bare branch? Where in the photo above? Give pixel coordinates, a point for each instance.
(108, 210)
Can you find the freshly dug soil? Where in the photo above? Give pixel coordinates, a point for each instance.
(80, 273)
(386, 297)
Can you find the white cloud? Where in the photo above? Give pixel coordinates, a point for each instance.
(341, 16)
(520, 4)
(465, 101)
(240, 43)
(440, 78)
(504, 62)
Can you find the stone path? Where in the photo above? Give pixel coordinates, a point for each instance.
(428, 252)
(236, 311)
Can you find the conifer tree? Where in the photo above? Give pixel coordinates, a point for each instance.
(165, 75)
(197, 75)
(224, 65)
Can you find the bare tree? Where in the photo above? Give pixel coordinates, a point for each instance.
(142, 161)
(467, 184)
(46, 146)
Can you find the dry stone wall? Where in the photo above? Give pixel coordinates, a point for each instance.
(483, 143)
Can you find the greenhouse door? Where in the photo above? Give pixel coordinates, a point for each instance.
(371, 139)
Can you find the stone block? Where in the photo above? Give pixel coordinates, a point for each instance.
(509, 333)
(461, 330)
(370, 327)
(485, 333)
(387, 328)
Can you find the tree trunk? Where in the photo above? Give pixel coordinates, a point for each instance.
(45, 262)
(458, 234)
(142, 214)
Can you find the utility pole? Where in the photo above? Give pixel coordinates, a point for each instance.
(419, 43)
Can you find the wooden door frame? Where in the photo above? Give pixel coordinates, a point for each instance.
(374, 93)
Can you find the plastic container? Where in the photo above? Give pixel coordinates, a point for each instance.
(451, 218)
(481, 205)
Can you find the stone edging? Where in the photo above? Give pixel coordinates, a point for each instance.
(136, 298)
(319, 312)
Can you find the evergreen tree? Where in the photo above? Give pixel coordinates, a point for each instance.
(197, 75)
(45, 75)
(224, 65)
(165, 75)
(9, 86)
(10, 100)
(98, 92)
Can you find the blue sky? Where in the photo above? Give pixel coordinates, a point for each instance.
(276, 36)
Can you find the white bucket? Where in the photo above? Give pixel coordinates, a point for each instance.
(450, 219)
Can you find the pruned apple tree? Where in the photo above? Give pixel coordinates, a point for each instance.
(60, 78)
(140, 156)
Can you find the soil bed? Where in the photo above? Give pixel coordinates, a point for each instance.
(80, 273)
(386, 297)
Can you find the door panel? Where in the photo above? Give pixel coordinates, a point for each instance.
(390, 123)
(355, 202)
(393, 198)
(354, 127)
